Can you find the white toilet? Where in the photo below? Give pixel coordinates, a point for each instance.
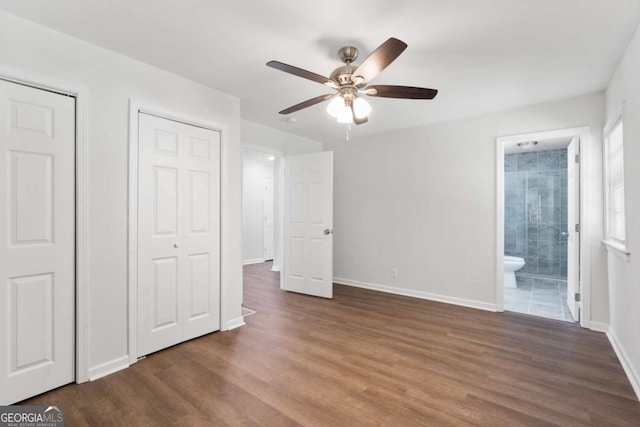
(511, 265)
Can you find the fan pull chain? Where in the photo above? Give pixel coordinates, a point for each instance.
(348, 129)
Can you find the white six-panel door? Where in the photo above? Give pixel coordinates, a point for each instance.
(573, 218)
(308, 228)
(178, 233)
(37, 241)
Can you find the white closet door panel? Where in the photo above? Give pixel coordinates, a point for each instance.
(159, 210)
(201, 163)
(178, 233)
(37, 241)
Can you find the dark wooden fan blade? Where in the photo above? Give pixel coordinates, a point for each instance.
(356, 120)
(302, 73)
(379, 59)
(406, 92)
(307, 103)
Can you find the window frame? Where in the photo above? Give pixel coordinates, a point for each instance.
(614, 241)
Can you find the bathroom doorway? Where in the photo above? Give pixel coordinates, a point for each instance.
(540, 224)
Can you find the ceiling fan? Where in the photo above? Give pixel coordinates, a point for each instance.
(351, 81)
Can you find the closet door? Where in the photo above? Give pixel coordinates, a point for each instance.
(37, 241)
(178, 233)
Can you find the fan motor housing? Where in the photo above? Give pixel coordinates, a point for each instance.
(343, 74)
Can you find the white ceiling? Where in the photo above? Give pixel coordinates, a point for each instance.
(483, 56)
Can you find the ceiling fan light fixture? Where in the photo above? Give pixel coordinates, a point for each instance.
(361, 108)
(336, 106)
(350, 80)
(346, 116)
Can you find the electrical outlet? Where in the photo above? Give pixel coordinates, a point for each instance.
(394, 273)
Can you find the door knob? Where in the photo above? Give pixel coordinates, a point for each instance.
(327, 231)
(175, 245)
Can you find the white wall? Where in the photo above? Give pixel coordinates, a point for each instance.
(624, 276)
(111, 79)
(256, 167)
(277, 141)
(423, 201)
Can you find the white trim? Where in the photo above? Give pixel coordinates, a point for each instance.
(584, 133)
(616, 117)
(253, 261)
(235, 323)
(500, 225)
(633, 376)
(275, 267)
(82, 237)
(136, 107)
(585, 215)
(416, 294)
(132, 233)
(81, 94)
(278, 229)
(618, 250)
(599, 327)
(109, 368)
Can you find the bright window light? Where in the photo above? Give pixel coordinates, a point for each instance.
(614, 184)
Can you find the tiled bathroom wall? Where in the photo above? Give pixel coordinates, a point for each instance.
(536, 211)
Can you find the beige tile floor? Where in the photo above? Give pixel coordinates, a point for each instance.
(538, 296)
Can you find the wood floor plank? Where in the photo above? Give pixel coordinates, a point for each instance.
(365, 358)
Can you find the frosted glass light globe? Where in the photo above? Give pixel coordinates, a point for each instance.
(346, 116)
(361, 108)
(336, 106)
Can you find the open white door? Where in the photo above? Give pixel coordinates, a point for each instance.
(37, 241)
(308, 224)
(573, 221)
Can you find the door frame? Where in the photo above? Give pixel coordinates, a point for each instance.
(273, 215)
(136, 107)
(81, 95)
(278, 200)
(584, 133)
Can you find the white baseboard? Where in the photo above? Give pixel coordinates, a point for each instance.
(633, 376)
(275, 267)
(235, 323)
(253, 261)
(599, 327)
(417, 294)
(108, 368)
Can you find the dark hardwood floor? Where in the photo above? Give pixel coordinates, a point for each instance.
(365, 358)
